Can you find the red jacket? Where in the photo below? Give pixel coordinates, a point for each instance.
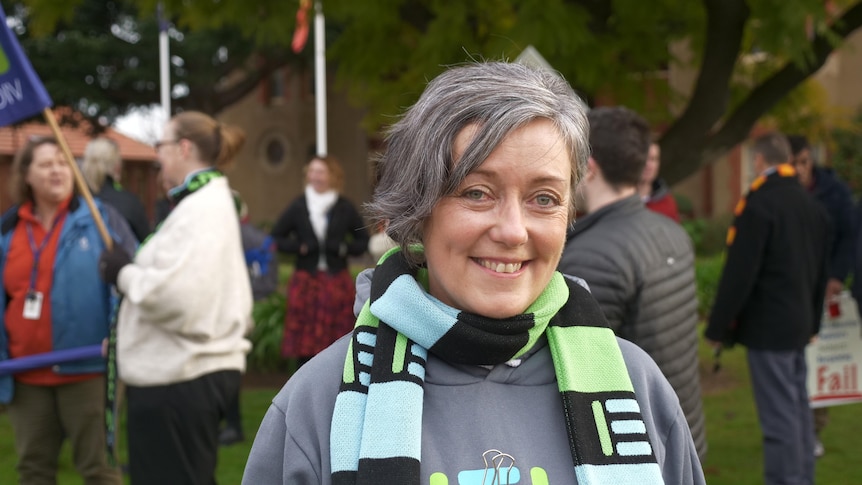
(662, 201)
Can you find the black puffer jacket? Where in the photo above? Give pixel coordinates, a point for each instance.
(640, 267)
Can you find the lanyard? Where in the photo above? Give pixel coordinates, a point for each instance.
(37, 251)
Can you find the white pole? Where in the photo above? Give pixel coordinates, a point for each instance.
(320, 77)
(164, 67)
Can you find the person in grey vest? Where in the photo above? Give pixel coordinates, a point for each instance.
(639, 264)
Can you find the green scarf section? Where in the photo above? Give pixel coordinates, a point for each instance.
(382, 385)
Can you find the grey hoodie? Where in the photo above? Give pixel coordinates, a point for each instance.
(468, 410)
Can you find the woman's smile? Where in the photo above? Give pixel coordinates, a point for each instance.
(500, 266)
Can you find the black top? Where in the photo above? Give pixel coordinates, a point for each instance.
(128, 205)
(838, 202)
(346, 235)
(771, 292)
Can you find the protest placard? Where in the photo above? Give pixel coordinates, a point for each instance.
(834, 360)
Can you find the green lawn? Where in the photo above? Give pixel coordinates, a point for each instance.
(231, 459)
(733, 434)
(734, 438)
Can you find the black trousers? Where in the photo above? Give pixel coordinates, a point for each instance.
(233, 417)
(173, 429)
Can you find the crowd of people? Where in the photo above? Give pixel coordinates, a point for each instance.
(531, 267)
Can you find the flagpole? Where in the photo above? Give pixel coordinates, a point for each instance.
(79, 179)
(320, 77)
(164, 67)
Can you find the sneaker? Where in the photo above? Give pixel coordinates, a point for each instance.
(230, 436)
(818, 448)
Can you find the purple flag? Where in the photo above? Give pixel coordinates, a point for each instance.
(22, 94)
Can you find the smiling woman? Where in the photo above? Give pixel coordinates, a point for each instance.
(54, 301)
(472, 356)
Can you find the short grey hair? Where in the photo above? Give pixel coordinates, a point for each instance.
(774, 148)
(417, 168)
(101, 158)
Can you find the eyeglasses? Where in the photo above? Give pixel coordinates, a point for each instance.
(162, 143)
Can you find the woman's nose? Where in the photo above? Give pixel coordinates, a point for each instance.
(510, 228)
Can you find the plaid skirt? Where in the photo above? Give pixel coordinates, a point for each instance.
(319, 311)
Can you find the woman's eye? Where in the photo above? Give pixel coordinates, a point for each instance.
(474, 194)
(545, 200)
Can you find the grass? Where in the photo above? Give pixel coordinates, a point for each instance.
(734, 456)
(733, 433)
(231, 459)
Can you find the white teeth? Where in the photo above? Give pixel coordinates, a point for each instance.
(502, 267)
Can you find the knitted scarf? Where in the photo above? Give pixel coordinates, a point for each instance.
(781, 170)
(376, 428)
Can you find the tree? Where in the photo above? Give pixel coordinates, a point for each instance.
(618, 49)
(710, 125)
(101, 58)
(384, 51)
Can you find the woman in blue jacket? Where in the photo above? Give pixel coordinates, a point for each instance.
(54, 299)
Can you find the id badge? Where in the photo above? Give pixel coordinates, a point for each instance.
(33, 305)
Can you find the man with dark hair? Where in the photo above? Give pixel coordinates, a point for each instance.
(836, 198)
(638, 264)
(770, 298)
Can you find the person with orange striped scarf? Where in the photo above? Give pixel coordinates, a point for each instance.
(769, 297)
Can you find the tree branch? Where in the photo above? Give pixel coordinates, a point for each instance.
(222, 98)
(766, 95)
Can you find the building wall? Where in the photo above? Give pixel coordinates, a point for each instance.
(692, 188)
(279, 120)
(841, 76)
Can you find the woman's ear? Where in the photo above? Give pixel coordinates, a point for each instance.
(592, 171)
(187, 148)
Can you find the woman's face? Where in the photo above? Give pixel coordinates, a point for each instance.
(170, 153)
(494, 244)
(317, 175)
(49, 175)
(653, 162)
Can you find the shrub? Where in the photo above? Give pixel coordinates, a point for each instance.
(694, 228)
(708, 235)
(707, 274)
(266, 336)
(684, 206)
(845, 155)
